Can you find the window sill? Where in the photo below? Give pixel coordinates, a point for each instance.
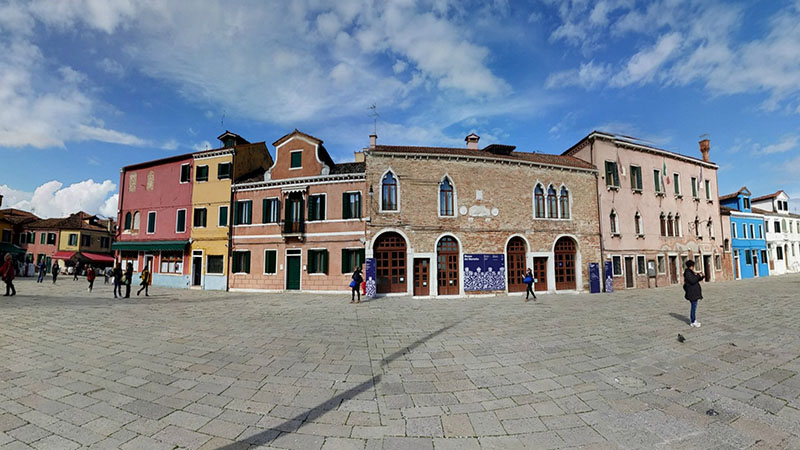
(241, 273)
(616, 235)
(317, 274)
(659, 194)
(710, 202)
(639, 236)
(696, 199)
(678, 197)
(612, 187)
(275, 273)
(637, 191)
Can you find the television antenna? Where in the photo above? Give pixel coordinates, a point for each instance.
(222, 120)
(375, 116)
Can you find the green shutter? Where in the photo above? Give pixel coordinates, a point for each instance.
(236, 208)
(358, 205)
(311, 261)
(249, 210)
(345, 260)
(324, 261)
(360, 257)
(322, 207)
(264, 211)
(270, 262)
(345, 204)
(43, 239)
(247, 262)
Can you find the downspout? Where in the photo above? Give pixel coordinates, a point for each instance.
(118, 231)
(230, 243)
(599, 218)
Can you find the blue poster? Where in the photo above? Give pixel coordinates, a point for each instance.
(369, 277)
(484, 272)
(608, 272)
(594, 278)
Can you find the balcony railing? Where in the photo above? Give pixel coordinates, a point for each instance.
(294, 227)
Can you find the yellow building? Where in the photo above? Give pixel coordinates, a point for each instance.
(85, 239)
(214, 171)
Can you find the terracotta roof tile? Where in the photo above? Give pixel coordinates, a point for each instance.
(764, 197)
(540, 158)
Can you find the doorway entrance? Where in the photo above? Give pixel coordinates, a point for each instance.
(673, 269)
(565, 263)
(629, 272)
(293, 263)
(736, 271)
(421, 276)
(390, 263)
(197, 268)
(447, 266)
(707, 267)
(540, 273)
(755, 263)
(516, 264)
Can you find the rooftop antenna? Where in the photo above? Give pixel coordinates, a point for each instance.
(375, 116)
(222, 121)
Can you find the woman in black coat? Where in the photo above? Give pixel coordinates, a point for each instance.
(691, 286)
(355, 285)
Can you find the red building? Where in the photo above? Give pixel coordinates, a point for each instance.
(155, 199)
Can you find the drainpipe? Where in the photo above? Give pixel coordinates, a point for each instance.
(230, 241)
(118, 231)
(599, 218)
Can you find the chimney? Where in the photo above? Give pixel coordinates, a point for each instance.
(705, 147)
(373, 140)
(472, 141)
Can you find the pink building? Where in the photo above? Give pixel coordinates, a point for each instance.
(300, 225)
(657, 210)
(155, 199)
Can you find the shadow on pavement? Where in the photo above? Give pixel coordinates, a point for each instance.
(680, 317)
(289, 425)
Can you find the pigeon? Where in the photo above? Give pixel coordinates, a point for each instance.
(681, 339)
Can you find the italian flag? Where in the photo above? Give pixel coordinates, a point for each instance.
(664, 172)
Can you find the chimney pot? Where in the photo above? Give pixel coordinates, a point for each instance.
(373, 140)
(705, 147)
(472, 141)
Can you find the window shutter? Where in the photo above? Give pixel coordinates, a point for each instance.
(345, 204)
(236, 213)
(277, 210)
(264, 216)
(345, 254)
(249, 213)
(360, 257)
(312, 263)
(247, 262)
(322, 207)
(324, 260)
(302, 208)
(358, 205)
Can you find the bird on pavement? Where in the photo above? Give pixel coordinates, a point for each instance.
(681, 339)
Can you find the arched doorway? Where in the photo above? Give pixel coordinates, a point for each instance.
(390, 263)
(565, 263)
(447, 266)
(516, 264)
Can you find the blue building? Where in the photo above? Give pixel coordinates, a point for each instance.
(748, 241)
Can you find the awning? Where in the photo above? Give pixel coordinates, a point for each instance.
(63, 255)
(143, 246)
(9, 248)
(97, 258)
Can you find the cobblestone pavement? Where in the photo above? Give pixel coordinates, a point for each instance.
(193, 369)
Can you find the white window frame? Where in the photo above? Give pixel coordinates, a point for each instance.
(328, 256)
(569, 201)
(734, 231)
(147, 225)
(614, 221)
(664, 265)
(613, 266)
(761, 231)
(752, 231)
(227, 214)
(215, 273)
(641, 180)
(325, 210)
(361, 203)
(677, 183)
(276, 261)
(695, 188)
(380, 192)
(291, 152)
(638, 223)
(184, 220)
(439, 198)
(199, 226)
(642, 257)
(242, 251)
(278, 199)
(707, 187)
(208, 175)
(181, 174)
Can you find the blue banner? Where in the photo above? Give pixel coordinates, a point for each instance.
(594, 278)
(484, 272)
(369, 277)
(609, 274)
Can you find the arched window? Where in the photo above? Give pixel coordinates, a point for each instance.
(678, 230)
(538, 195)
(564, 203)
(670, 226)
(389, 192)
(697, 227)
(552, 203)
(710, 227)
(136, 220)
(613, 222)
(446, 198)
(127, 221)
(637, 223)
(663, 224)
(726, 245)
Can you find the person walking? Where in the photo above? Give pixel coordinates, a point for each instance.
(42, 271)
(145, 282)
(128, 277)
(90, 276)
(691, 286)
(528, 280)
(106, 274)
(77, 271)
(56, 270)
(355, 285)
(117, 273)
(7, 274)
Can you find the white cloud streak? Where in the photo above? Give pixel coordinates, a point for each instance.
(52, 199)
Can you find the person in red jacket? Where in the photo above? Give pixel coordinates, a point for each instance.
(7, 274)
(90, 276)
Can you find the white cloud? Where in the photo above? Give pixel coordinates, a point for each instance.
(112, 67)
(52, 199)
(200, 146)
(786, 144)
(109, 208)
(588, 76)
(643, 65)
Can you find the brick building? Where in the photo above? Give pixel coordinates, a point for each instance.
(455, 221)
(657, 209)
(299, 225)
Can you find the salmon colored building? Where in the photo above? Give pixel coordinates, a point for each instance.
(155, 199)
(300, 225)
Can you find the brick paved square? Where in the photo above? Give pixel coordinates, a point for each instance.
(201, 369)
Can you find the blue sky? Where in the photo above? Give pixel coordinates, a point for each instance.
(88, 86)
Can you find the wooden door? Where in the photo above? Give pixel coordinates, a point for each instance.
(736, 274)
(673, 269)
(293, 272)
(628, 272)
(421, 276)
(540, 273)
(707, 267)
(516, 265)
(447, 266)
(390, 263)
(197, 270)
(565, 263)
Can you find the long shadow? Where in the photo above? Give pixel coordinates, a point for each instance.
(290, 425)
(680, 317)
